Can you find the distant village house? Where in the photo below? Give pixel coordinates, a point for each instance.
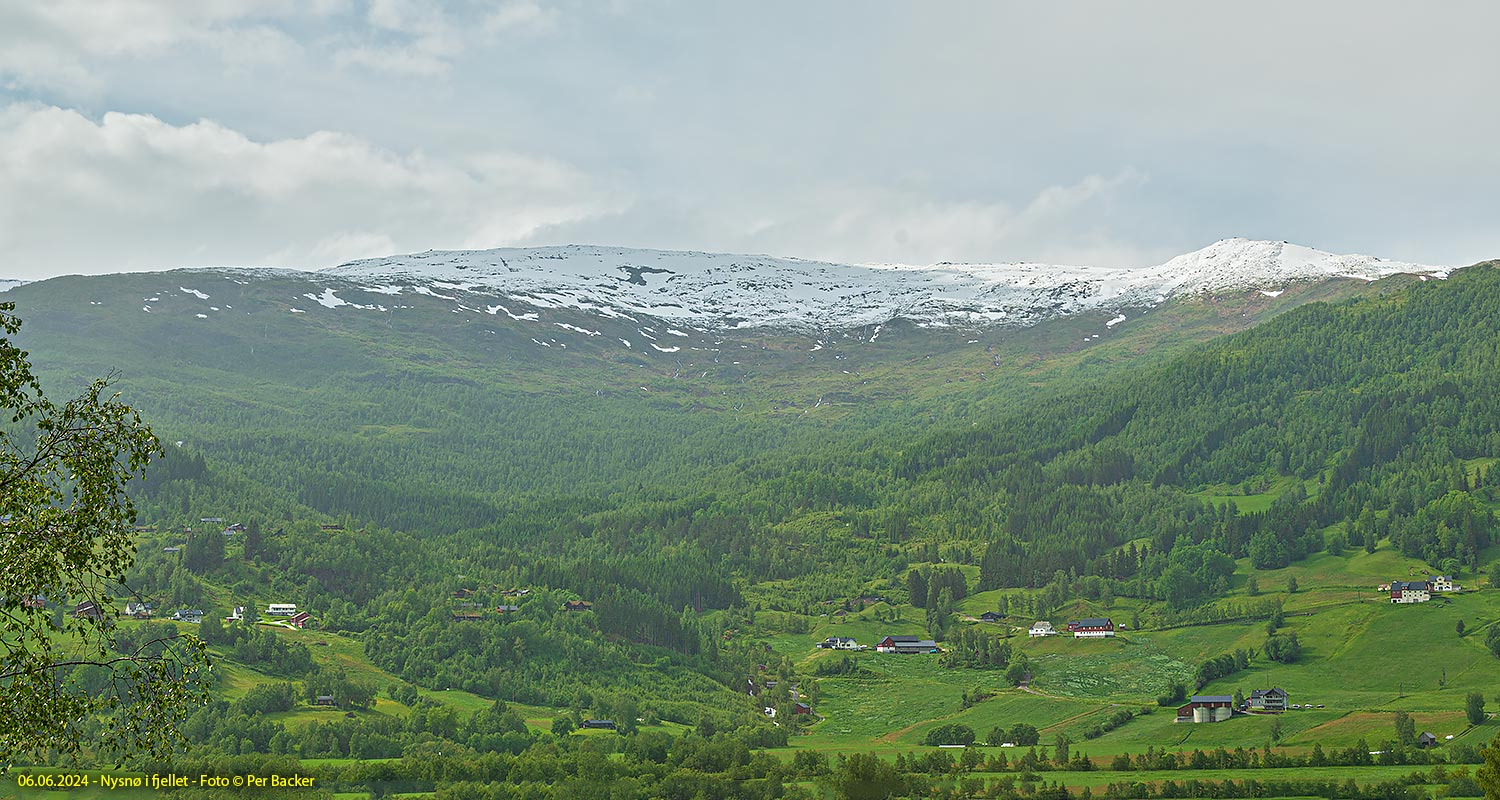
(1092, 628)
(1041, 628)
(1410, 591)
(906, 645)
(1273, 699)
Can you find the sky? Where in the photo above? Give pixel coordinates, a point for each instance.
(151, 134)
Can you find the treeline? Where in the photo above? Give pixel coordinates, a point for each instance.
(1221, 667)
(1357, 755)
(1251, 788)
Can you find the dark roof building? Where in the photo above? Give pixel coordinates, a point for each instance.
(906, 644)
(1092, 627)
(1273, 699)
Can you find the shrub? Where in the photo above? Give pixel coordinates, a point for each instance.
(956, 733)
(1283, 648)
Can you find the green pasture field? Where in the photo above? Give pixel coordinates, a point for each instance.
(1343, 623)
(1129, 669)
(1253, 502)
(334, 651)
(1354, 569)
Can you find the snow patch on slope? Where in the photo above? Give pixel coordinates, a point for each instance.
(327, 299)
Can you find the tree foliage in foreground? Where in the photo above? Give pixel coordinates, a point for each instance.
(65, 540)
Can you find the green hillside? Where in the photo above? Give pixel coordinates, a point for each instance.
(442, 493)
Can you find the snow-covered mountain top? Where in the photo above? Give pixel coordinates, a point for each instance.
(715, 290)
(1249, 264)
(7, 285)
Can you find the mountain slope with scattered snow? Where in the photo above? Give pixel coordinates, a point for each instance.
(717, 291)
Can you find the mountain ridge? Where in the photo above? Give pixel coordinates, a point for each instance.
(724, 290)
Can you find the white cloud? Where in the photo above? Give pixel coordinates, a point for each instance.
(407, 16)
(133, 192)
(65, 46)
(524, 15)
(1065, 224)
(427, 57)
(53, 45)
(421, 38)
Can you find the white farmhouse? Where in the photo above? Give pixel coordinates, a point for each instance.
(1410, 591)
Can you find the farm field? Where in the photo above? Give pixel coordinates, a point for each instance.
(1341, 621)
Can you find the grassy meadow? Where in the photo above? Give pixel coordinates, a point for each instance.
(1362, 658)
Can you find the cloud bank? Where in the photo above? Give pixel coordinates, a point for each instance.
(129, 191)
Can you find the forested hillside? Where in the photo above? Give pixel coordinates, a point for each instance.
(439, 516)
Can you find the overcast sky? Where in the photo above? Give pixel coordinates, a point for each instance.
(146, 134)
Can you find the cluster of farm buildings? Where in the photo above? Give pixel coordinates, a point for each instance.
(1090, 628)
(1419, 591)
(88, 609)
